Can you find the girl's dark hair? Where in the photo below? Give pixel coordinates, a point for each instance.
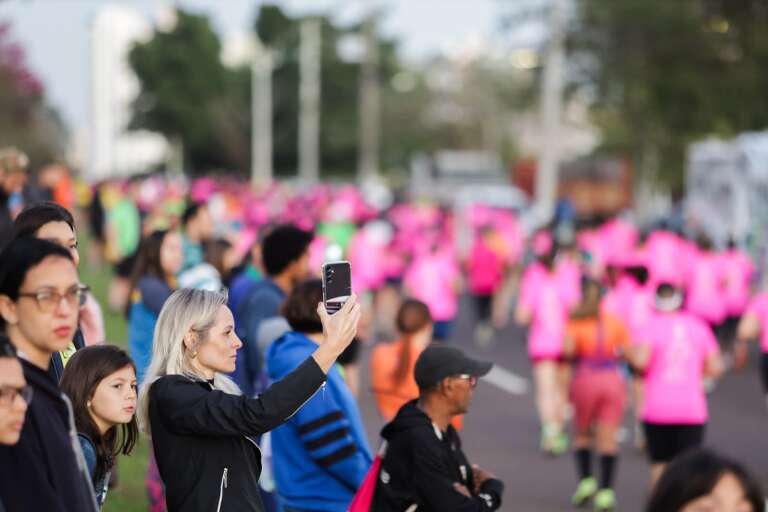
(20, 256)
(412, 317)
(638, 273)
(694, 475)
(36, 216)
(147, 262)
(215, 252)
(589, 307)
(82, 375)
(300, 308)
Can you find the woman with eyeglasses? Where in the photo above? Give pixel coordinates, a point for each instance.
(15, 396)
(52, 222)
(40, 294)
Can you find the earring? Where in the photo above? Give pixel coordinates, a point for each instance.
(88, 404)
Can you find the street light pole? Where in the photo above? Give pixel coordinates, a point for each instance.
(261, 114)
(368, 162)
(551, 107)
(309, 95)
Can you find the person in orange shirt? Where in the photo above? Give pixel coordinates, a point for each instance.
(392, 363)
(595, 342)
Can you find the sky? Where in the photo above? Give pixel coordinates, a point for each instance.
(55, 33)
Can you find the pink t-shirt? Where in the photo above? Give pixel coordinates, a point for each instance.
(542, 293)
(632, 303)
(674, 391)
(667, 256)
(569, 277)
(738, 270)
(706, 295)
(759, 307)
(485, 268)
(431, 278)
(367, 258)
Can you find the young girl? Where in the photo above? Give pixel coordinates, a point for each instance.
(101, 383)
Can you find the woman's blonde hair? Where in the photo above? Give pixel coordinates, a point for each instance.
(186, 311)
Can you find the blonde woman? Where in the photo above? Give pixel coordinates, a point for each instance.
(201, 426)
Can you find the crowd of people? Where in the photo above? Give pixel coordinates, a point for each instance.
(247, 387)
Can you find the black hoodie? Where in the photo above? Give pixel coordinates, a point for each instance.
(45, 471)
(421, 466)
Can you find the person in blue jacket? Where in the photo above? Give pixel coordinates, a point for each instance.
(152, 282)
(321, 454)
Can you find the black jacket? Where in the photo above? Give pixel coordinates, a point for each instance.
(201, 439)
(422, 464)
(45, 470)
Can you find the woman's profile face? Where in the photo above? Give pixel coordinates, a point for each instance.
(727, 496)
(218, 352)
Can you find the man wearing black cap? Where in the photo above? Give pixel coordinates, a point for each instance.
(424, 468)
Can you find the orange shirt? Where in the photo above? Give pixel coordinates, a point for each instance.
(584, 334)
(390, 396)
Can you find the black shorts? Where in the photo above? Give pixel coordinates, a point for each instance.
(764, 370)
(665, 442)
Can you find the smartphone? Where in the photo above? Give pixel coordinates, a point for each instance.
(337, 285)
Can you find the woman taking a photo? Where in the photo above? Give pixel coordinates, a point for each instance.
(101, 383)
(200, 425)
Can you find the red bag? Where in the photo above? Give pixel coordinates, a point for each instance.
(364, 495)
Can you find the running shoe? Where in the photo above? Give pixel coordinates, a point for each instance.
(605, 500)
(584, 492)
(553, 440)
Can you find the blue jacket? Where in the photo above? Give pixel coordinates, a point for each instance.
(89, 453)
(263, 301)
(241, 286)
(321, 454)
(149, 297)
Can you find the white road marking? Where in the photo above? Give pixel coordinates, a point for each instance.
(507, 381)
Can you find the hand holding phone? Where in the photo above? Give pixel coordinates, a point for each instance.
(337, 285)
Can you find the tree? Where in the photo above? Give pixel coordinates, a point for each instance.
(187, 93)
(25, 119)
(663, 74)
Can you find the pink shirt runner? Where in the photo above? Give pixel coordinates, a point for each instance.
(738, 270)
(542, 294)
(759, 307)
(485, 268)
(674, 391)
(632, 303)
(431, 279)
(706, 293)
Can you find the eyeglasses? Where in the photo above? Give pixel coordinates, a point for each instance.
(48, 300)
(9, 394)
(471, 378)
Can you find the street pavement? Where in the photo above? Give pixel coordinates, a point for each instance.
(501, 431)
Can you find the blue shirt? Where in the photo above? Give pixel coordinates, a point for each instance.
(320, 455)
(263, 302)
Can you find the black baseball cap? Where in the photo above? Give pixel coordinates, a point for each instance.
(440, 361)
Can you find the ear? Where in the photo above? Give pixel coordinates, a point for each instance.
(8, 310)
(190, 340)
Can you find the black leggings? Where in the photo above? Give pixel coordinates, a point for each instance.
(665, 442)
(483, 307)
